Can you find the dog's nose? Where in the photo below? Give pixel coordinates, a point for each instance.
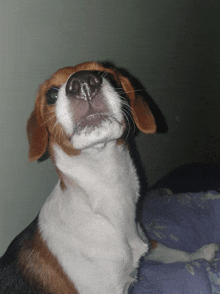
(83, 85)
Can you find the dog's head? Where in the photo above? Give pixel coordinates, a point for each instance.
(84, 106)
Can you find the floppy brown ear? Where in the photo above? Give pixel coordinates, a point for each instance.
(37, 137)
(141, 112)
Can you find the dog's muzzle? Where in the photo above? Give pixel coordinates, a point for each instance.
(90, 110)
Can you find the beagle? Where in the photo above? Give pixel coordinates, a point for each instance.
(85, 239)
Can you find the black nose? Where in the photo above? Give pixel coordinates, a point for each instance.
(83, 85)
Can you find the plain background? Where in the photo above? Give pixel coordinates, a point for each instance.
(173, 47)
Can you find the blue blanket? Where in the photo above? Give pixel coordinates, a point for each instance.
(186, 222)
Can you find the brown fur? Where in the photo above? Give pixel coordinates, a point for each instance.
(40, 267)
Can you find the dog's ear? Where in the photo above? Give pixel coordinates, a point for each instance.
(141, 112)
(37, 135)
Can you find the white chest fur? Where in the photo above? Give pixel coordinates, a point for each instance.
(90, 227)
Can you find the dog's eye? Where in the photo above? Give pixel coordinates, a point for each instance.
(52, 95)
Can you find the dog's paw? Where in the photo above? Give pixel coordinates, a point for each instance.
(207, 252)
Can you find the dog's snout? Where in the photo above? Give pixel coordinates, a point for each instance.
(83, 85)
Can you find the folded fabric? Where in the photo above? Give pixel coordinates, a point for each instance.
(185, 222)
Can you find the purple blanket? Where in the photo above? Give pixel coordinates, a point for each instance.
(186, 222)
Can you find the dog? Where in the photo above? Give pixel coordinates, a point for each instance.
(85, 238)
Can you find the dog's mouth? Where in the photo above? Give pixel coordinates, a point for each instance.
(96, 130)
(91, 122)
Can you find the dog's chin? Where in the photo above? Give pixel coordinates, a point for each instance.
(97, 137)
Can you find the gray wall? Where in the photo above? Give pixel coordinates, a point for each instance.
(171, 46)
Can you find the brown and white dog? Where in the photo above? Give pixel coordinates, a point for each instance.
(85, 239)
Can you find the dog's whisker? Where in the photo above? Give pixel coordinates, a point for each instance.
(105, 73)
(57, 133)
(128, 122)
(129, 111)
(127, 114)
(44, 137)
(54, 128)
(126, 105)
(52, 111)
(132, 91)
(61, 133)
(46, 113)
(46, 121)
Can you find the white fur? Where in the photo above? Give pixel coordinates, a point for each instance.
(109, 130)
(63, 114)
(112, 99)
(90, 227)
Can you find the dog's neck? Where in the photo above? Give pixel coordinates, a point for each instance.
(94, 214)
(104, 177)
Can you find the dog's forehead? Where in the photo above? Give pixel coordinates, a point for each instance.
(60, 76)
